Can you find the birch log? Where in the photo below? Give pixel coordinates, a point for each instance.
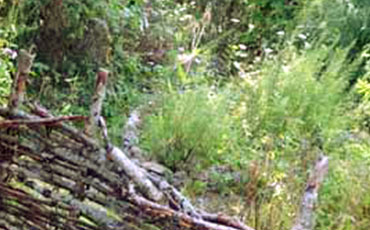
(305, 220)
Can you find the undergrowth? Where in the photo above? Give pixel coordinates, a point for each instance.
(265, 89)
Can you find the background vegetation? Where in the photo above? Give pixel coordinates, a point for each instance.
(261, 87)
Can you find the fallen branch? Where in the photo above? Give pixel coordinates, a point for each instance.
(137, 174)
(183, 220)
(130, 140)
(305, 220)
(53, 121)
(115, 154)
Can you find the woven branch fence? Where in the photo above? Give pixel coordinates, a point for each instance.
(55, 176)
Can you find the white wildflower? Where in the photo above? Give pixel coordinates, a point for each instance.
(11, 53)
(242, 74)
(236, 65)
(235, 20)
(302, 36)
(268, 50)
(280, 33)
(186, 17)
(307, 45)
(242, 47)
(285, 68)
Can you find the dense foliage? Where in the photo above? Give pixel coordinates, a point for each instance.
(261, 86)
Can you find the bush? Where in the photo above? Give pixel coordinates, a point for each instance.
(297, 99)
(8, 55)
(5, 79)
(344, 199)
(186, 129)
(289, 113)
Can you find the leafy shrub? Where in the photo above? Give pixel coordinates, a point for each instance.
(296, 99)
(8, 54)
(186, 129)
(339, 23)
(293, 109)
(5, 79)
(287, 114)
(344, 199)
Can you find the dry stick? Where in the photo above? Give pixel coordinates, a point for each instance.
(114, 153)
(17, 93)
(136, 173)
(225, 220)
(44, 113)
(65, 156)
(130, 139)
(185, 221)
(305, 220)
(190, 210)
(60, 176)
(184, 203)
(63, 203)
(130, 168)
(97, 102)
(42, 121)
(25, 61)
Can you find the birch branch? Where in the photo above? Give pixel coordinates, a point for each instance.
(305, 220)
(95, 120)
(137, 174)
(182, 204)
(184, 221)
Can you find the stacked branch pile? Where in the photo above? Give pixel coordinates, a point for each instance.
(55, 176)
